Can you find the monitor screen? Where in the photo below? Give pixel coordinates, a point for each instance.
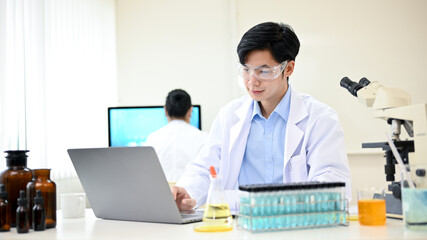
(130, 126)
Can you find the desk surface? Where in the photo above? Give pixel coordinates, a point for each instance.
(91, 227)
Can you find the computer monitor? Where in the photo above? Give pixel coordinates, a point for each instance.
(130, 126)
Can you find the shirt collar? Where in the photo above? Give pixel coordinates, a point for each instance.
(282, 108)
(256, 109)
(177, 121)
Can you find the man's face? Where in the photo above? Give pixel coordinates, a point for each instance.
(268, 92)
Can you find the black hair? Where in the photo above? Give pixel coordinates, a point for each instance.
(280, 39)
(178, 102)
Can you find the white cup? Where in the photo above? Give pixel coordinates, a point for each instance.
(73, 205)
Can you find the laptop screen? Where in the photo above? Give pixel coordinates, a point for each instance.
(130, 126)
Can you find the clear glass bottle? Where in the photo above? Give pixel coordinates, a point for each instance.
(4, 210)
(15, 178)
(41, 181)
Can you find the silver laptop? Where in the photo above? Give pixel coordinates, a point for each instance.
(127, 183)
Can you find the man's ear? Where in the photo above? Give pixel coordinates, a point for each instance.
(188, 114)
(289, 69)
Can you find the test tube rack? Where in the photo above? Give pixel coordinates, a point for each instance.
(275, 207)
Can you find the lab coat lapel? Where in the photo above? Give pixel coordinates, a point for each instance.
(238, 138)
(294, 134)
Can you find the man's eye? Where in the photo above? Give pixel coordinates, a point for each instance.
(265, 71)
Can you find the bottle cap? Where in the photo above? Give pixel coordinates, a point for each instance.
(16, 157)
(213, 172)
(289, 186)
(3, 193)
(22, 200)
(38, 199)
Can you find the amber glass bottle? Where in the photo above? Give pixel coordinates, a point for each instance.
(4, 210)
(15, 178)
(38, 213)
(22, 212)
(41, 181)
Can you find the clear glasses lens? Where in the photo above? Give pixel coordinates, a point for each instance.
(261, 73)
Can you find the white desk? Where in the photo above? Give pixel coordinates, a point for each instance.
(91, 227)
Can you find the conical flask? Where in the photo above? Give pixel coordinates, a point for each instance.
(217, 212)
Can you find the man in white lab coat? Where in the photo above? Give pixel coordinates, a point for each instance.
(275, 134)
(178, 142)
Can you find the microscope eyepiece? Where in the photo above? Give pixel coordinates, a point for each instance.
(351, 86)
(364, 82)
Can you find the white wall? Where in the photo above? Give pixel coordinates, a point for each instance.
(163, 45)
(2, 63)
(191, 44)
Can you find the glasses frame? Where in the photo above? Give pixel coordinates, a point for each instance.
(251, 71)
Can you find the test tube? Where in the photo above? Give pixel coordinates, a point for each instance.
(285, 206)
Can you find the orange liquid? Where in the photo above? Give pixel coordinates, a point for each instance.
(372, 212)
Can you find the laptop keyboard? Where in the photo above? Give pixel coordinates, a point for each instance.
(190, 215)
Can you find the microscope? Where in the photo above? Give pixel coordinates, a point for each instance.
(394, 106)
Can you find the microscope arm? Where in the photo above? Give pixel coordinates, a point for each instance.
(418, 115)
(394, 103)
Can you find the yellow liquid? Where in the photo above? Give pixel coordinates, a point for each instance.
(372, 212)
(213, 228)
(217, 214)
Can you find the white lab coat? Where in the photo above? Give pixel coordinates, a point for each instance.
(176, 144)
(314, 146)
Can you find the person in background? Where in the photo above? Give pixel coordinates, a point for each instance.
(275, 134)
(178, 142)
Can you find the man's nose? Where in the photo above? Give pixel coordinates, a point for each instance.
(253, 79)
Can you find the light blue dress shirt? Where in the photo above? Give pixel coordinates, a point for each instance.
(264, 154)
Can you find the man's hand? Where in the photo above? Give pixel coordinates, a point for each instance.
(182, 198)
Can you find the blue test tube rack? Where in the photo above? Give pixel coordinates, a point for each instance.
(275, 207)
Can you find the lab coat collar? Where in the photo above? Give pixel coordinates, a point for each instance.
(244, 113)
(177, 121)
(298, 112)
(238, 136)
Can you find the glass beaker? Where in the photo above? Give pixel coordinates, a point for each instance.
(414, 200)
(371, 207)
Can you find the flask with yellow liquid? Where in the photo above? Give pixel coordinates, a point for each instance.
(217, 215)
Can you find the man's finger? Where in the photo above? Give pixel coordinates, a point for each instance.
(174, 191)
(179, 192)
(190, 203)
